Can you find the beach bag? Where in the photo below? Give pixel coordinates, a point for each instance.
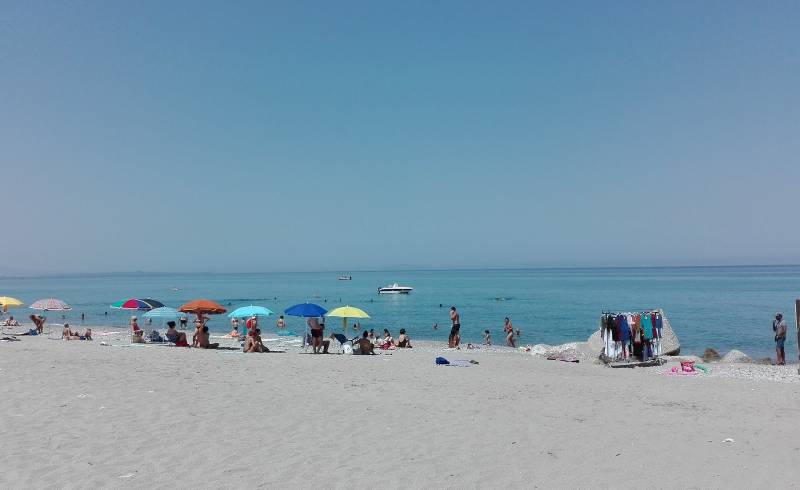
(347, 349)
(155, 336)
(687, 366)
(442, 361)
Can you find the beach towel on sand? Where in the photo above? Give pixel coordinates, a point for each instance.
(456, 363)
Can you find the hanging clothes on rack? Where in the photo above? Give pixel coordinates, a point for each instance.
(631, 334)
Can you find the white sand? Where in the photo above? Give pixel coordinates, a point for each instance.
(78, 414)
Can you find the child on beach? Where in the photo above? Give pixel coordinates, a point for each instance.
(487, 337)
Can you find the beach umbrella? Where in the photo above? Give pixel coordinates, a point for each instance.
(305, 310)
(152, 302)
(131, 304)
(164, 312)
(137, 304)
(50, 304)
(248, 311)
(7, 302)
(202, 306)
(345, 312)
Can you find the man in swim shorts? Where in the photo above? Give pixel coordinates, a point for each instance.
(779, 327)
(455, 335)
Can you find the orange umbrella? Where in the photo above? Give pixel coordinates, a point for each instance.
(203, 306)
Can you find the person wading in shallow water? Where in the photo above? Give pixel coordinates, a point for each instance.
(455, 330)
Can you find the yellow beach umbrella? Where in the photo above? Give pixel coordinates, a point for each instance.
(6, 301)
(345, 312)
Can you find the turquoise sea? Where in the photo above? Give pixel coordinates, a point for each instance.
(721, 307)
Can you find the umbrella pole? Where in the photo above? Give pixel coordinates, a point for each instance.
(305, 338)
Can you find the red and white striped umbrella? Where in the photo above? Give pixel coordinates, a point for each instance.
(50, 304)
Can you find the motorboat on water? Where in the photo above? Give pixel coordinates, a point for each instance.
(395, 289)
(345, 278)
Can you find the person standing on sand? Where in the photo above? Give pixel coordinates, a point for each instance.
(779, 327)
(455, 330)
(509, 330)
(317, 330)
(280, 324)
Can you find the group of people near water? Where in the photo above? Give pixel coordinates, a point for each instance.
(252, 341)
(38, 328)
(454, 339)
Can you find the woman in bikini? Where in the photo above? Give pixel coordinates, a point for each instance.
(509, 330)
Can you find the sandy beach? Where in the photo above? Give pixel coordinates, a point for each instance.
(81, 414)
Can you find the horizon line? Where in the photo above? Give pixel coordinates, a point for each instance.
(414, 269)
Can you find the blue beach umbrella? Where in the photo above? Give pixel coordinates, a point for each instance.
(247, 311)
(305, 310)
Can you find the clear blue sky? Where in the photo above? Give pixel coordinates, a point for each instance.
(202, 136)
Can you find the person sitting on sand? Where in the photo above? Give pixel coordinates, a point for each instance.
(253, 343)
(137, 334)
(365, 346)
(203, 340)
(371, 335)
(10, 322)
(235, 332)
(509, 330)
(250, 344)
(403, 340)
(68, 334)
(177, 338)
(487, 337)
(388, 341)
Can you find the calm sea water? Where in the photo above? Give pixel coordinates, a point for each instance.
(721, 307)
